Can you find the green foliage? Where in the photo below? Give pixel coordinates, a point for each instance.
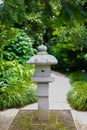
(21, 11)
(38, 16)
(16, 89)
(85, 56)
(77, 96)
(12, 10)
(15, 86)
(17, 95)
(71, 47)
(72, 11)
(16, 44)
(78, 76)
(10, 69)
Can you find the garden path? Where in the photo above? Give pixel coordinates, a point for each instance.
(57, 101)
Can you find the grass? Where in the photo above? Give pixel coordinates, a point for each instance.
(17, 96)
(16, 88)
(77, 96)
(29, 121)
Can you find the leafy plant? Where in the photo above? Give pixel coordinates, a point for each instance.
(17, 94)
(16, 89)
(16, 44)
(14, 69)
(63, 11)
(77, 96)
(42, 17)
(70, 47)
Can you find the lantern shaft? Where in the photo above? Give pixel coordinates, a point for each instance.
(43, 102)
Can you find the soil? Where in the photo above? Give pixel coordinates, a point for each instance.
(28, 120)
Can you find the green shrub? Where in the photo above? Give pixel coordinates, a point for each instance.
(12, 69)
(70, 47)
(77, 96)
(16, 88)
(16, 44)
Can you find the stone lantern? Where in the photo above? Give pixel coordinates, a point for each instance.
(42, 77)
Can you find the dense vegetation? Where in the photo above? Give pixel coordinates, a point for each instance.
(71, 47)
(77, 96)
(25, 24)
(16, 89)
(61, 25)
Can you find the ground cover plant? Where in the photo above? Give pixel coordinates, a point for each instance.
(15, 44)
(77, 96)
(16, 89)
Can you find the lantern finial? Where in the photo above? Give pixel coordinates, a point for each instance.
(42, 49)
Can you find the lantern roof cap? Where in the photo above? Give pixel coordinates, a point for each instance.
(42, 58)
